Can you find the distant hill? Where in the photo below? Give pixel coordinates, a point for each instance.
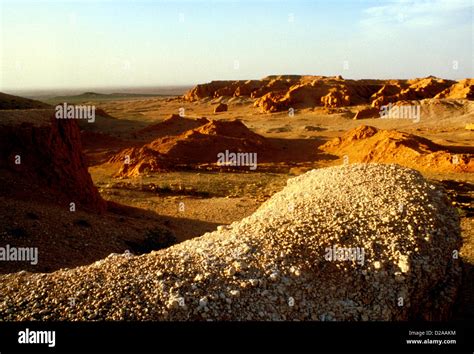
(94, 96)
(16, 102)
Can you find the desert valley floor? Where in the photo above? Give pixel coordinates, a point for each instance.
(171, 189)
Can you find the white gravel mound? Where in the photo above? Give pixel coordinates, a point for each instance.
(355, 242)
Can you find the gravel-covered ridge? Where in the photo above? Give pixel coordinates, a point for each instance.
(272, 266)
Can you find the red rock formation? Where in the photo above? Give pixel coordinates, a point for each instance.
(461, 89)
(227, 90)
(308, 94)
(271, 102)
(173, 125)
(361, 132)
(221, 107)
(231, 128)
(274, 84)
(415, 89)
(369, 112)
(247, 88)
(369, 144)
(191, 148)
(424, 88)
(206, 90)
(51, 157)
(279, 93)
(136, 161)
(336, 98)
(380, 98)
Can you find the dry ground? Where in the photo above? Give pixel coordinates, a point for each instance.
(230, 196)
(193, 202)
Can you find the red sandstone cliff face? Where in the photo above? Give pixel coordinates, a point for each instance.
(279, 93)
(416, 89)
(251, 88)
(51, 158)
(461, 89)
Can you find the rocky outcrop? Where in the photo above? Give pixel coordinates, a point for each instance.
(369, 144)
(368, 112)
(363, 242)
(275, 84)
(416, 89)
(173, 125)
(207, 90)
(38, 149)
(272, 102)
(327, 92)
(247, 88)
(461, 89)
(336, 98)
(279, 93)
(196, 146)
(380, 98)
(221, 107)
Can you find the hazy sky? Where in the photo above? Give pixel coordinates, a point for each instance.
(74, 44)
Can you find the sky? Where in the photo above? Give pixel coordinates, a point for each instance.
(124, 43)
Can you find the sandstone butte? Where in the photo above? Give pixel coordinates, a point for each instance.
(43, 156)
